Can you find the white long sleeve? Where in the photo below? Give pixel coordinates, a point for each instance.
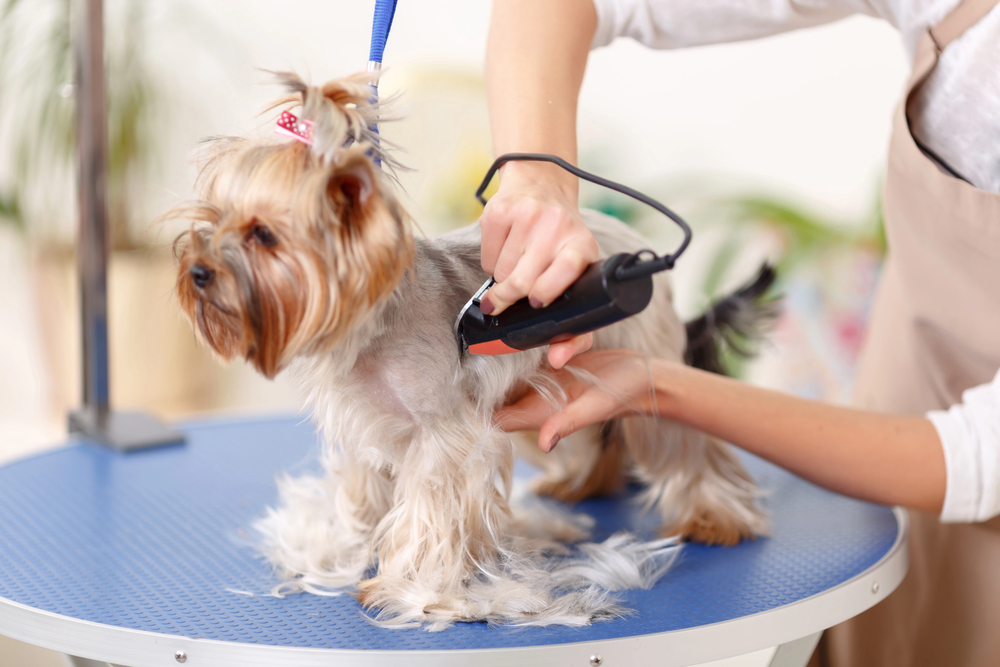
(671, 24)
(956, 113)
(970, 436)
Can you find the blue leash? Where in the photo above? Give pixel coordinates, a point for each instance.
(381, 24)
(384, 11)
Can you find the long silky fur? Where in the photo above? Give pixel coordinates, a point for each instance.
(415, 510)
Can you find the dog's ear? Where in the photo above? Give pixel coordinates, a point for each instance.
(352, 188)
(368, 235)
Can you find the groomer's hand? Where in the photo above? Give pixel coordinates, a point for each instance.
(881, 458)
(620, 382)
(535, 244)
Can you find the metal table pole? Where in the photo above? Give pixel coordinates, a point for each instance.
(95, 419)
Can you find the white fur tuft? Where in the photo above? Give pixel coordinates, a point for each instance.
(619, 563)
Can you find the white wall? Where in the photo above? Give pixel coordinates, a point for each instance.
(805, 114)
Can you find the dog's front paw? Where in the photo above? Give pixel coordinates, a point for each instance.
(401, 603)
(531, 596)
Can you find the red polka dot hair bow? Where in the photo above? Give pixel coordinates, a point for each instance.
(289, 125)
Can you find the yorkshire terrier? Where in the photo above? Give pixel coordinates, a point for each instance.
(300, 258)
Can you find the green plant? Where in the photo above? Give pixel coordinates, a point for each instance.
(804, 237)
(803, 233)
(37, 114)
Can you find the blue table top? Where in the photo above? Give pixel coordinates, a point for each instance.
(160, 541)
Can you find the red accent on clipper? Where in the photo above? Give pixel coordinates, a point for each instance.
(492, 348)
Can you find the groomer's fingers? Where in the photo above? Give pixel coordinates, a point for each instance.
(495, 226)
(560, 354)
(520, 216)
(527, 414)
(592, 407)
(531, 264)
(570, 262)
(529, 250)
(542, 274)
(514, 222)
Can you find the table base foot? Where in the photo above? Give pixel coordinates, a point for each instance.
(73, 661)
(795, 653)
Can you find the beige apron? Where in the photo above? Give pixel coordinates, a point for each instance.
(935, 331)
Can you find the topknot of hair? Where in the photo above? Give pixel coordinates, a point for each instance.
(343, 112)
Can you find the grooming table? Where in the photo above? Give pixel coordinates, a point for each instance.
(147, 559)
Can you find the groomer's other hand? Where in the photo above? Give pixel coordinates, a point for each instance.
(535, 244)
(624, 386)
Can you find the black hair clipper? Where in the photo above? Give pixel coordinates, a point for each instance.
(595, 300)
(609, 290)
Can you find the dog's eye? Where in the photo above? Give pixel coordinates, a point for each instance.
(263, 236)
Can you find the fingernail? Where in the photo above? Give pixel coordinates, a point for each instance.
(553, 443)
(535, 303)
(485, 305)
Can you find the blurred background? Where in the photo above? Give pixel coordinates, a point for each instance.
(772, 149)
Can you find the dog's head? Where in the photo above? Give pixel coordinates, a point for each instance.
(292, 245)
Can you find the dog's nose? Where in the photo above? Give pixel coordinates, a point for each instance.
(201, 275)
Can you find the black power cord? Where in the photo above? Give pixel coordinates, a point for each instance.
(633, 267)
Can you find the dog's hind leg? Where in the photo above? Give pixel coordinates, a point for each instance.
(589, 463)
(694, 481)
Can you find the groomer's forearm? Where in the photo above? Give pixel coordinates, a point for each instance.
(535, 59)
(882, 458)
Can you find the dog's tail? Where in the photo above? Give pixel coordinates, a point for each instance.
(735, 324)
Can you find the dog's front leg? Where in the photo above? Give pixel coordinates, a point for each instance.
(447, 527)
(320, 535)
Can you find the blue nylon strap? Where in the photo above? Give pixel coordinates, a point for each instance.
(384, 11)
(381, 24)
